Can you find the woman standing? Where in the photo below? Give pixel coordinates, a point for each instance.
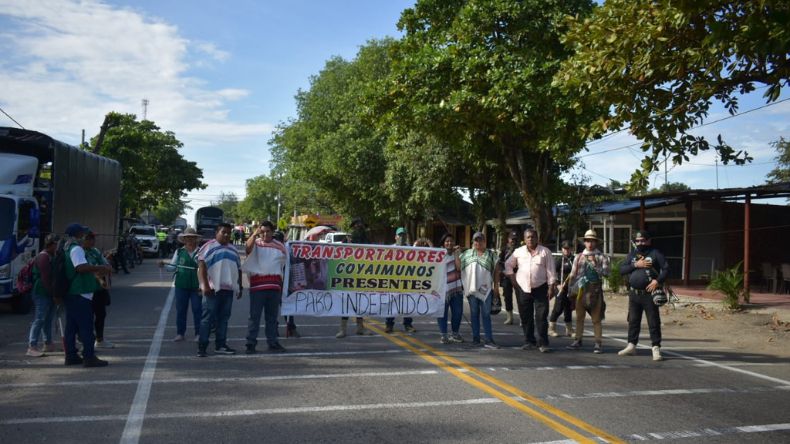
(101, 297)
(42, 298)
(454, 298)
(184, 266)
(480, 277)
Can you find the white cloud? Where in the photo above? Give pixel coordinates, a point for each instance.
(67, 63)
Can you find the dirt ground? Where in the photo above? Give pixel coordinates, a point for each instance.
(750, 330)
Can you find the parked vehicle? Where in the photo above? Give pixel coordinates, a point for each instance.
(146, 238)
(336, 237)
(45, 185)
(180, 224)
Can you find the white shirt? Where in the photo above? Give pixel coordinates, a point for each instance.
(533, 271)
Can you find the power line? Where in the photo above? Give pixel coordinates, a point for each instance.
(12, 119)
(690, 129)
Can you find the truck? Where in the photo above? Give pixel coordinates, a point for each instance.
(45, 185)
(180, 224)
(206, 221)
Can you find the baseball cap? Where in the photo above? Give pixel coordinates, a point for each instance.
(76, 229)
(400, 231)
(478, 235)
(644, 234)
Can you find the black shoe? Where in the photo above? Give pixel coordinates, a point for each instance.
(389, 328)
(73, 360)
(224, 350)
(93, 361)
(202, 353)
(276, 348)
(250, 349)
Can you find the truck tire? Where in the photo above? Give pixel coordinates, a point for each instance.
(22, 303)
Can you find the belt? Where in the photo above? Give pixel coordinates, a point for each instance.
(639, 292)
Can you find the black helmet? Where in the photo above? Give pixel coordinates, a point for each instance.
(660, 297)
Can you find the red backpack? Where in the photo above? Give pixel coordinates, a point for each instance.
(24, 280)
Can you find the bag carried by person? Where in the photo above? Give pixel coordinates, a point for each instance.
(496, 303)
(60, 280)
(24, 279)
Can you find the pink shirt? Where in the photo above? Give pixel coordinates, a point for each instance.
(533, 270)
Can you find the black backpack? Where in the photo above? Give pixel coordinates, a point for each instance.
(60, 281)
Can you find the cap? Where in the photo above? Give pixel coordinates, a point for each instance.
(566, 244)
(590, 234)
(513, 235)
(400, 231)
(478, 235)
(75, 229)
(644, 234)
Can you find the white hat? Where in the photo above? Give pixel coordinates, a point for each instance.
(590, 234)
(189, 232)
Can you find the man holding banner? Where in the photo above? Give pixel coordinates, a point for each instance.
(265, 265)
(408, 327)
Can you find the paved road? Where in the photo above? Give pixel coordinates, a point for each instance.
(379, 388)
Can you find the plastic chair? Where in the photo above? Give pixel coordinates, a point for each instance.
(770, 276)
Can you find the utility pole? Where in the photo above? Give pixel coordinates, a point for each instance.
(716, 161)
(145, 109)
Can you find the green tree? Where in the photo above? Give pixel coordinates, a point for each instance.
(229, 203)
(477, 75)
(167, 212)
(670, 187)
(658, 66)
(154, 172)
(331, 146)
(782, 171)
(260, 202)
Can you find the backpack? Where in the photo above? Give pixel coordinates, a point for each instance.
(24, 279)
(60, 281)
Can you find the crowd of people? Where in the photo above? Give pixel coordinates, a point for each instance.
(207, 279)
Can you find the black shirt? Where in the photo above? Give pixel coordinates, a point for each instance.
(639, 278)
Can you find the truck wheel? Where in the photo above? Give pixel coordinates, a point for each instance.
(22, 303)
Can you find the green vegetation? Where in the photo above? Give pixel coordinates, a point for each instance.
(729, 283)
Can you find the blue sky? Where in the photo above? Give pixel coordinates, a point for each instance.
(222, 75)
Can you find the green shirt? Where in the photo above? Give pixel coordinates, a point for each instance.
(186, 269)
(81, 283)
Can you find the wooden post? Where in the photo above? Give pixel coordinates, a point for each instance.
(746, 234)
(687, 245)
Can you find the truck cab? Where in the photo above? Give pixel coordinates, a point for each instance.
(146, 237)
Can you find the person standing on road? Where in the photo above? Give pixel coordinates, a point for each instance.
(42, 299)
(590, 267)
(78, 301)
(358, 236)
(562, 303)
(290, 321)
(101, 297)
(219, 273)
(507, 285)
(535, 278)
(186, 285)
(454, 298)
(480, 277)
(408, 327)
(265, 266)
(647, 270)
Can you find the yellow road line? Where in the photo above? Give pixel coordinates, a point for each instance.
(518, 392)
(561, 428)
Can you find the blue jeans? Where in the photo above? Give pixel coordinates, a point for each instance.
(42, 322)
(267, 301)
(216, 311)
(184, 297)
(406, 321)
(476, 309)
(79, 320)
(454, 302)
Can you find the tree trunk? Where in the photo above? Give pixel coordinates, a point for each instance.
(531, 174)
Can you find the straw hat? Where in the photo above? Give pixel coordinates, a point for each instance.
(590, 234)
(189, 232)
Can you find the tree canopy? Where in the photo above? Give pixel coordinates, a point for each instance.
(782, 171)
(154, 172)
(658, 66)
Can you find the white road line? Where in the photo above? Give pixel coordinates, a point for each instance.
(134, 421)
(229, 379)
(708, 432)
(704, 361)
(667, 392)
(256, 412)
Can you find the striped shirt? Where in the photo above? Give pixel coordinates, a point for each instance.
(454, 283)
(265, 265)
(222, 265)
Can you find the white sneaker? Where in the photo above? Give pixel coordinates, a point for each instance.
(629, 350)
(178, 338)
(104, 344)
(34, 352)
(657, 353)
